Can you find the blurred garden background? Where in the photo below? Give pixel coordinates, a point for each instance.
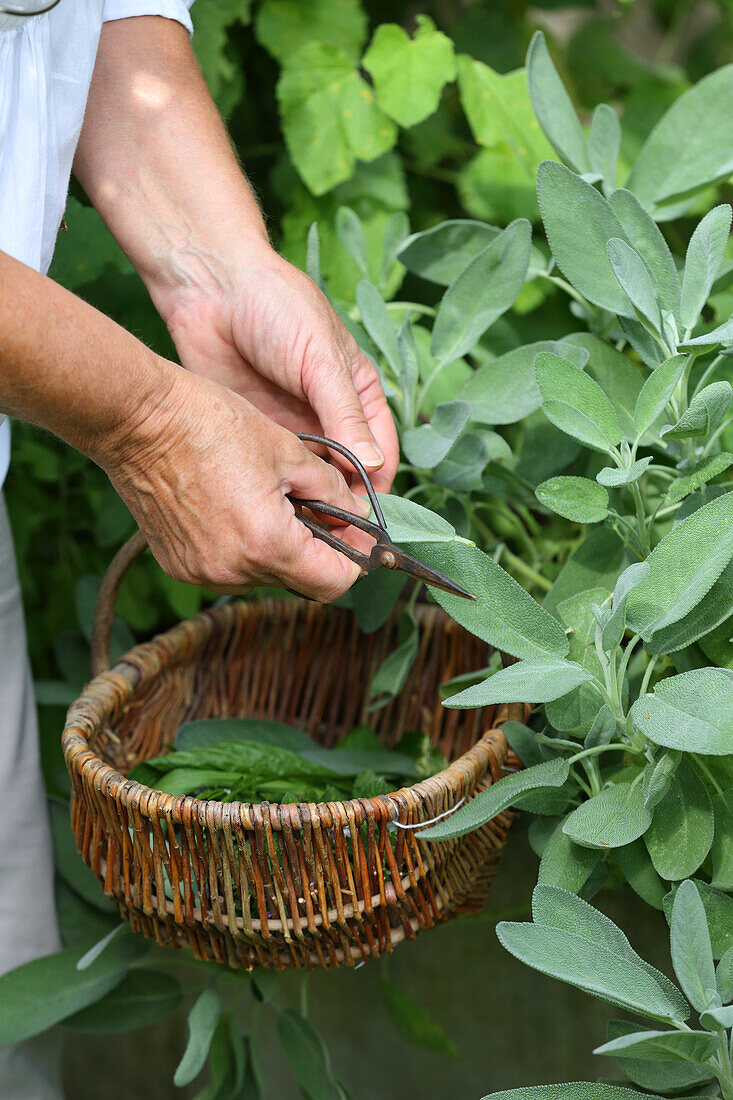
(497, 1024)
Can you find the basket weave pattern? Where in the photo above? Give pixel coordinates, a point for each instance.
(275, 885)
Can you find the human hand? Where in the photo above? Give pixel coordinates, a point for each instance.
(206, 477)
(267, 332)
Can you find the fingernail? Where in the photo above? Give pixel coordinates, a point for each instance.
(369, 455)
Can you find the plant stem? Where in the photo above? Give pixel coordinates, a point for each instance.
(526, 570)
(641, 518)
(648, 674)
(597, 750)
(707, 773)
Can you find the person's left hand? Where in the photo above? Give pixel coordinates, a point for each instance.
(270, 334)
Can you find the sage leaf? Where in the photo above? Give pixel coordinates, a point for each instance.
(534, 680)
(603, 729)
(567, 201)
(350, 232)
(142, 998)
(505, 390)
(657, 391)
(698, 123)
(499, 796)
(638, 870)
(482, 293)
(390, 677)
(644, 235)
(705, 413)
(683, 567)
(410, 522)
(658, 1076)
(308, 1056)
(619, 378)
(724, 977)
(633, 276)
(503, 613)
(692, 712)
(576, 1090)
(597, 562)
(429, 444)
(720, 1018)
(575, 498)
(612, 477)
(576, 404)
(722, 334)
(658, 776)
(712, 611)
(614, 627)
(566, 865)
(409, 74)
(722, 849)
(604, 142)
(705, 254)
(664, 1046)
(202, 1021)
(611, 819)
(692, 955)
(413, 1021)
(41, 993)
(380, 326)
(441, 253)
(681, 832)
(553, 107)
(700, 474)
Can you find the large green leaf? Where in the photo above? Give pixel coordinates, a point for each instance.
(619, 378)
(505, 390)
(536, 680)
(408, 521)
(683, 567)
(692, 712)
(41, 993)
(664, 1046)
(637, 868)
(575, 498)
(553, 107)
(409, 74)
(141, 999)
(283, 26)
(502, 613)
(500, 795)
(442, 252)
(329, 116)
(482, 293)
(700, 124)
(705, 254)
(579, 224)
(712, 611)
(662, 1076)
(576, 404)
(692, 954)
(566, 865)
(681, 832)
(615, 817)
(634, 277)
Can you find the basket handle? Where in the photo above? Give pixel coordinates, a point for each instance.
(104, 612)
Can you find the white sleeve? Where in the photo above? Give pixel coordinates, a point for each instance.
(169, 9)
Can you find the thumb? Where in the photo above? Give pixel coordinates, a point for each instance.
(338, 406)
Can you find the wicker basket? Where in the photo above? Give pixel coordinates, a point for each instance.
(279, 885)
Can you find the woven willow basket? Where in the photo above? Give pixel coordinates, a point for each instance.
(279, 885)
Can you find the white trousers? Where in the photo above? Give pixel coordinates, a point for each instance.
(28, 927)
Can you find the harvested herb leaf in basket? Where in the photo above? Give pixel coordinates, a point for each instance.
(253, 760)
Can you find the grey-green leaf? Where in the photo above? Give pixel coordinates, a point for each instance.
(643, 233)
(700, 474)
(657, 391)
(489, 803)
(202, 1021)
(612, 477)
(308, 1056)
(705, 254)
(566, 865)
(482, 293)
(705, 413)
(379, 325)
(663, 1046)
(429, 444)
(575, 1090)
(575, 498)
(724, 977)
(637, 868)
(604, 142)
(692, 712)
(576, 404)
(553, 107)
(722, 849)
(692, 954)
(615, 817)
(681, 833)
(535, 680)
(633, 276)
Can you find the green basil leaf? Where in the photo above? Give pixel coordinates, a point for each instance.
(553, 107)
(705, 413)
(202, 1021)
(692, 712)
(566, 202)
(576, 404)
(705, 254)
(575, 498)
(613, 818)
(634, 278)
(692, 955)
(500, 795)
(683, 567)
(482, 293)
(681, 832)
(409, 74)
(657, 391)
(535, 680)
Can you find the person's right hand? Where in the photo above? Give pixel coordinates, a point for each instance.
(206, 477)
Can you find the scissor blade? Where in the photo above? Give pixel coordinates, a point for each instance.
(422, 572)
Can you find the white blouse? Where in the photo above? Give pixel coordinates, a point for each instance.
(46, 64)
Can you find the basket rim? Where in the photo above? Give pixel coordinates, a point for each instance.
(109, 692)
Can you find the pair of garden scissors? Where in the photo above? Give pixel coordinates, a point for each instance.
(385, 553)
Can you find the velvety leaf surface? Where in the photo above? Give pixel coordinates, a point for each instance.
(692, 712)
(611, 819)
(681, 832)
